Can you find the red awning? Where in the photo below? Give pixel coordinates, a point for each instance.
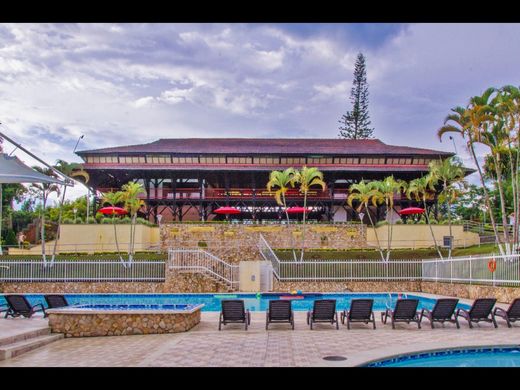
(226, 210)
(411, 210)
(112, 210)
(298, 210)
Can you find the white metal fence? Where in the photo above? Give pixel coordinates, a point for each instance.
(493, 270)
(198, 260)
(82, 271)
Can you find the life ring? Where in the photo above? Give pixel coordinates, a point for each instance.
(492, 265)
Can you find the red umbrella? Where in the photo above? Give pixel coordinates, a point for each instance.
(112, 210)
(226, 210)
(298, 210)
(411, 210)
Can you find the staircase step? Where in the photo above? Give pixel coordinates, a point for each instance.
(44, 331)
(16, 349)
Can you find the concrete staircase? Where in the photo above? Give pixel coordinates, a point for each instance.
(15, 345)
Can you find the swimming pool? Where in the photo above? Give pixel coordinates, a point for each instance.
(253, 302)
(497, 356)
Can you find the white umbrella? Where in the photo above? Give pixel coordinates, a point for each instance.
(12, 170)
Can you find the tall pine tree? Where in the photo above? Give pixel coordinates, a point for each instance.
(356, 123)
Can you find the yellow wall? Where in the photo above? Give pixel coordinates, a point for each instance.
(98, 238)
(419, 236)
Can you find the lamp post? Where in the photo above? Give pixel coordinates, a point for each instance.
(75, 210)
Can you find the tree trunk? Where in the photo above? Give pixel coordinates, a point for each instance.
(375, 233)
(486, 197)
(303, 226)
(59, 227)
(431, 229)
(42, 228)
(498, 171)
(1, 210)
(288, 223)
(116, 240)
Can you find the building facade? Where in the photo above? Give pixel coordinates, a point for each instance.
(188, 178)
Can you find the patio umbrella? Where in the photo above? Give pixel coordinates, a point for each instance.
(411, 210)
(226, 210)
(298, 210)
(110, 210)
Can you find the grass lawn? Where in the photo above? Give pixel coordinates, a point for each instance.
(406, 254)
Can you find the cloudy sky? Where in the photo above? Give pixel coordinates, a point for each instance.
(133, 83)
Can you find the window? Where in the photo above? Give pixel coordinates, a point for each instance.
(292, 160)
(239, 160)
(158, 159)
(185, 160)
(419, 161)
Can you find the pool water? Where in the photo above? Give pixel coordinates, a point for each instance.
(132, 307)
(463, 357)
(253, 302)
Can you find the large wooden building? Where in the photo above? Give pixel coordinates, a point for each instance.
(188, 178)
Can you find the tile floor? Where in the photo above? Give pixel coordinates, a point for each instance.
(204, 345)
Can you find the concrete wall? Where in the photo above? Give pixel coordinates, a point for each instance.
(97, 238)
(419, 236)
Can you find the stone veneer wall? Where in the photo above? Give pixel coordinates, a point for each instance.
(472, 291)
(176, 282)
(99, 324)
(234, 243)
(346, 286)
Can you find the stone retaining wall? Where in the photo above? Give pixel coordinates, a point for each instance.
(234, 243)
(472, 291)
(346, 286)
(97, 324)
(176, 282)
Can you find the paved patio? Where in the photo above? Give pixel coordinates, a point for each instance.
(204, 345)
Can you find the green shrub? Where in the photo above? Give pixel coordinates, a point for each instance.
(202, 244)
(10, 238)
(91, 220)
(106, 221)
(67, 221)
(125, 221)
(399, 222)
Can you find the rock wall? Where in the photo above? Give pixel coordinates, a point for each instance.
(175, 282)
(235, 243)
(100, 324)
(347, 286)
(472, 291)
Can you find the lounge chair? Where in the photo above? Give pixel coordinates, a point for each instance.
(405, 311)
(233, 311)
(20, 306)
(56, 301)
(360, 311)
(443, 311)
(324, 310)
(480, 311)
(512, 314)
(279, 311)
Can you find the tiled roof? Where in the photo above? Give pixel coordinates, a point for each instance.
(249, 146)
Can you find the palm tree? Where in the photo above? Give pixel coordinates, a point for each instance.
(282, 180)
(46, 189)
(133, 203)
(467, 122)
(507, 104)
(448, 172)
(388, 188)
(113, 199)
(307, 178)
(67, 169)
(365, 194)
(421, 189)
